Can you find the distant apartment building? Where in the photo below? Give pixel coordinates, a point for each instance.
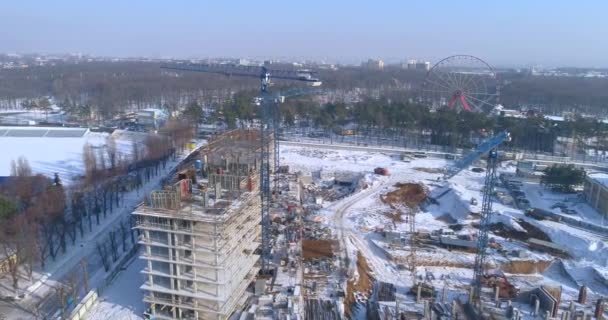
(596, 191)
(373, 64)
(152, 118)
(200, 235)
(418, 65)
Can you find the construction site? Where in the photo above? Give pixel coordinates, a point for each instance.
(364, 235)
(254, 228)
(403, 242)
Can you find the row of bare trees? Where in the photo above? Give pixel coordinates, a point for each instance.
(39, 217)
(32, 203)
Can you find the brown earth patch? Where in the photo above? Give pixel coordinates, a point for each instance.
(526, 266)
(363, 284)
(409, 194)
(312, 249)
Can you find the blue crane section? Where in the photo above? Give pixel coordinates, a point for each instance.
(482, 149)
(489, 147)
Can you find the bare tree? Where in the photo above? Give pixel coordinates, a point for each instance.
(14, 235)
(124, 234)
(62, 294)
(113, 245)
(103, 254)
(90, 162)
(85, 275)
(111, 151)
(21, 168)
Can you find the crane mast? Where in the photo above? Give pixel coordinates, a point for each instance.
(268, 127)
(486, 213)
(489, 147)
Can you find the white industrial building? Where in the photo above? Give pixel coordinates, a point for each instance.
(596, 191)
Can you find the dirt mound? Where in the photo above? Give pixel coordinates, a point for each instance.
(363, 285)
(312, 249)
(409, 194)
(526, 266)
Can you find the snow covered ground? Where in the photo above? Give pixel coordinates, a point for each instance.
(354, 218)
(49, 155)
(361, 217)
(122, 300)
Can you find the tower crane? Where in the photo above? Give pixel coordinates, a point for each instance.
(267, 126)
(275, 100)
(489, 147)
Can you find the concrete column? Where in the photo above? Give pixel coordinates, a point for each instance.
(418, 293)
(454, 308)
(547, 315)
(536, 306)
(443, 294)
(599, 309)
(471, 293)
(496, 293)
(582, 295)
(571, 309)
(397, 312)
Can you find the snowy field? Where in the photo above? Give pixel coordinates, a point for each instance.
(48, 155)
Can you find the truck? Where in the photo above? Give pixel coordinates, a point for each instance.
(381, 171)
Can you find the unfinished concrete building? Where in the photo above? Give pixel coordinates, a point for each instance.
(200, 240)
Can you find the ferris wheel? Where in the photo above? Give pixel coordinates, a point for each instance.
(461, 81)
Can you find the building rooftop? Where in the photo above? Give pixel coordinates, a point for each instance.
(197, 201)
(600, 177)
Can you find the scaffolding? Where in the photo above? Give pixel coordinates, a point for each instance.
(201, 241)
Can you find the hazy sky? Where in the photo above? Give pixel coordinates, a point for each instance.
(503, 32)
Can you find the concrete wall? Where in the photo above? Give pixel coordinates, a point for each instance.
(596, 195)
(84, 306)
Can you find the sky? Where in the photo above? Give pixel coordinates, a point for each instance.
(502, 32)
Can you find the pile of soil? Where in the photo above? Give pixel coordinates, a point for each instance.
(409, 194)
(312, 249)
(526, 266)
(364, 284)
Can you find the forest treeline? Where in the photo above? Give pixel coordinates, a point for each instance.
(109, 87)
